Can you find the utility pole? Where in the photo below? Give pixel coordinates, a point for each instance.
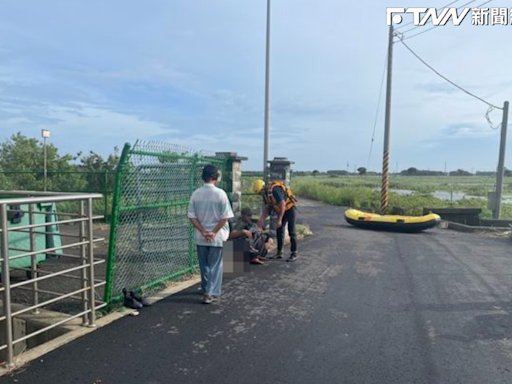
(267, 97)
(46, 135)
(501, 163)
(45, 168)
(384, 197)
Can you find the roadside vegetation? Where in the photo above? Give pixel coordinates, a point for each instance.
(410, 193)
(21, 168)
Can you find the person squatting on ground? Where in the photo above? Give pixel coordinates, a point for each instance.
(278, 198)
(259, 243)
(209, 211)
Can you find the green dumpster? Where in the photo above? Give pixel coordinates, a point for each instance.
(19, 242)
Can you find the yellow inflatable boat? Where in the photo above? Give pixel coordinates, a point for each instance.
(391, 222)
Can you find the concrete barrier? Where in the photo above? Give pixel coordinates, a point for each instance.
(467, 216)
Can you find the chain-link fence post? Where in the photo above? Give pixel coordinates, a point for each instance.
(116, 202)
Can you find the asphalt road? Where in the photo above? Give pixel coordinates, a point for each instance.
(358, 307)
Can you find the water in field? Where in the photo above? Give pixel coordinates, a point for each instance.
(442, 195)
(453, 196)
(448, 195)
(401, 192)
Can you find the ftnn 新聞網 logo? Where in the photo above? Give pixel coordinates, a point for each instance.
(480, 16)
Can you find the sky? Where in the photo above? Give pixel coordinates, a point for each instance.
(99, 74)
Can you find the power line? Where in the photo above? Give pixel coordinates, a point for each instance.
(488, 118)
(435, 26)
(438, 9)
(446, 79)
(378, 108)
(458, 9)
(421, 33)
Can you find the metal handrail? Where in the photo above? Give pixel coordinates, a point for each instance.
(42, 271)
(52, 223)
(87, 262)
(53, 293)
(49, 275)
(98, 239)
(22, 283)
(35, 253)
(46, 233)
(60, 213)
(56, 196)
(51, 301)
(43, 330)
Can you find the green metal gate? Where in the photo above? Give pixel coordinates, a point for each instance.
(151, 238)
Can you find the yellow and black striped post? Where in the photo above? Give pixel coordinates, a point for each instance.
(384, 197)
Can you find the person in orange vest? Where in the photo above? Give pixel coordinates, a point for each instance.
(278, 198)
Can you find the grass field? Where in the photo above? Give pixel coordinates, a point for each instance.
(407, 192)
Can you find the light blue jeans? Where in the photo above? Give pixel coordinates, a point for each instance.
(210, 264)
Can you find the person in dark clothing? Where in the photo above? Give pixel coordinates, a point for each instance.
(259, 243)
(279, 198)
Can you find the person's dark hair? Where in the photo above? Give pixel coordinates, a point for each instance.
(246, 212)
(210, 172)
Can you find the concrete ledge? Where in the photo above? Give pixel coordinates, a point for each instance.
(453, 211)
(496, 223)
(467, 216)
(472, 229)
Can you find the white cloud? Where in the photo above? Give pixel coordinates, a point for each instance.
(86, 127)
(471, 131)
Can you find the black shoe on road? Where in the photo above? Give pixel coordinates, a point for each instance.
(130, 302)
(292, 258)
(140, 299)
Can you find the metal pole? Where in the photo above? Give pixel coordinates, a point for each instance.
(83, 272)
(90, 255)
(267, 96)
(33, 258)
(501, 163)
(384, 198)
(105, 197)
(44, 163)
(6, 282)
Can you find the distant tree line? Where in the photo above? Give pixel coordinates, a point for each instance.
(21, 167)
(412, 171)
(459, 172)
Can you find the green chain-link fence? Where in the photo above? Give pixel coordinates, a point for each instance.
(249, 198)
(152, 240)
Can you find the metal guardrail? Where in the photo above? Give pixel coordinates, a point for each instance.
(83, 243)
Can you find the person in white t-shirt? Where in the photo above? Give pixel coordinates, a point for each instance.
(209, 211)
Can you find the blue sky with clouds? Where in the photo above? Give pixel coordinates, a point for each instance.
(191, 72)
